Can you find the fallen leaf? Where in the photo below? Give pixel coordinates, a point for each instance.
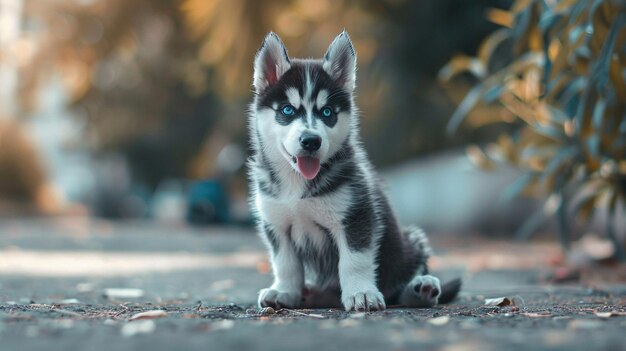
(499, 301)
(84, 287)
(609, 314)
(223, 325)
(69, 301)
(267, 311)
(123, 293)
(328, 324)
(595, 247)
(313, 315)
(222, 285)
(138, 327)
(584, 324)
(439, 320)
(282, 321)
(110, 322)
(537, 314)
(556, 338)
(288, 311)
(152, 314)
(470, 324)
(349, 323)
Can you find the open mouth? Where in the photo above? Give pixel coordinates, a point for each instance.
(308, 166)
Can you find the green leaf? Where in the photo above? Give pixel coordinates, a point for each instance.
(593, 146)
(492, 94)
(558, 115)
(564, 228)
(517, 186)
(531, 225)
(562, 156)
(598, 113)
(602, 65)
(460, 64)
(550, 131)
(611, 232)
(468, 103)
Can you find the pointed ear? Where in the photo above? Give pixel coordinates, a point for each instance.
(270, 63)
(340, 61)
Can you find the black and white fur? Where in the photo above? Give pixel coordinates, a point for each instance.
(334, 240)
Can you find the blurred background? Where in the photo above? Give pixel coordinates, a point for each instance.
(137, 109)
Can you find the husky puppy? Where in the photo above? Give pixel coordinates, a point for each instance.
(333, 238)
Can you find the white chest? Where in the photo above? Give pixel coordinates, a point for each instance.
(306, 220)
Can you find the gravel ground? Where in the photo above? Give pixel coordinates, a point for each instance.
(84, 285)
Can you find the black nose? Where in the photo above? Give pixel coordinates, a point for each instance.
(310, 142)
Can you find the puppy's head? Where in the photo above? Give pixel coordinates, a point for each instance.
(303, 108)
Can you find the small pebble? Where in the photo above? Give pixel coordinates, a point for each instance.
(152, 314)
(267, 311)
(84, 287)
(110, 321)
(439, 320)
(123, 293)
(584, 324)
(223, 325)
(146, 326)
(69, 301)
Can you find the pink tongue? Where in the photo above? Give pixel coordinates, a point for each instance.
(308, 166)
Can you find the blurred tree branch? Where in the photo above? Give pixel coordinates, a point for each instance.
(563, 86)
(156, 79)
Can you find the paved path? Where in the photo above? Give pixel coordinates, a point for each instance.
(58, 282)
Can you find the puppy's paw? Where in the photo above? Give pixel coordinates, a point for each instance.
(279, 299)
(423, 291)
(369, 300)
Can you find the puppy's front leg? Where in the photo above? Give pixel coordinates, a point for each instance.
(357, 277)
(286, 291)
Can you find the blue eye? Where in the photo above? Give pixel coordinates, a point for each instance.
(288, 110)
(327, 112)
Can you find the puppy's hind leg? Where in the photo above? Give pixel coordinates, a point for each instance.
(421, 291)
(427, 291)
(424, 289)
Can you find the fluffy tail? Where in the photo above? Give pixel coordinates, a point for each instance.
(418, 239)
(450, 290)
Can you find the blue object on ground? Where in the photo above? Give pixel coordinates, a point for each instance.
(208, 203)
